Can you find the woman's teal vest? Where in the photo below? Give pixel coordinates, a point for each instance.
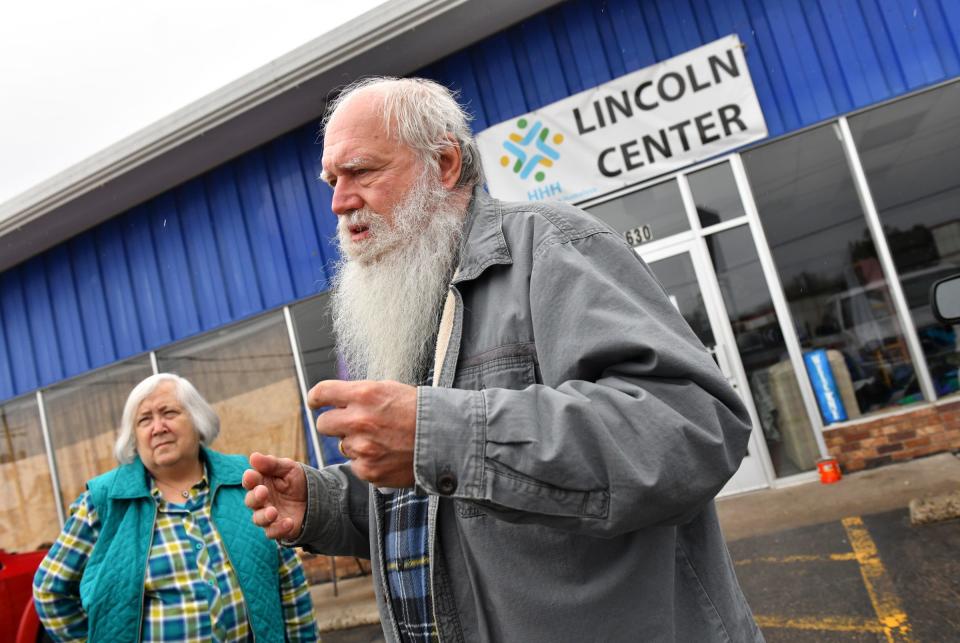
(111, 589)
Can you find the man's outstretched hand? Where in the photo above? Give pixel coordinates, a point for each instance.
(277, 493)
(377, 423)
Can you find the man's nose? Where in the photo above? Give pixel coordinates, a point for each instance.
(345, 199)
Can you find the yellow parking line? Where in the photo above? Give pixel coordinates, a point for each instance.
(825, 624)
(796, 559)
(886, 603)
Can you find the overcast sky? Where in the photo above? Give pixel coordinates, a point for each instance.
(77, 76)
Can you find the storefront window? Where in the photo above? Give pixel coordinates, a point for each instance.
(852, 340)
(911, 158)
(772, 378)
(311, 320)
(83, 415)
(648, 215)
(247, 374)
(715, 195)
(28, 510)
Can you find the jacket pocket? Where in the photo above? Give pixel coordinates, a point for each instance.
(516, 372)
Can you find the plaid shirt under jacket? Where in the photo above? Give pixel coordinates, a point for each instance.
(191, 592)
(407, 559)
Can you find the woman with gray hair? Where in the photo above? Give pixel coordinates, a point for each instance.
(162, 548)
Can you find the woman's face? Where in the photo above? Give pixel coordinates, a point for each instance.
(166, 438)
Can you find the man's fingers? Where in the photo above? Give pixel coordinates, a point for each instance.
(281, 529)
(265, 517)
(271, 466)
(334, 423)
(337, 393)
(256, 497)
(251, 478)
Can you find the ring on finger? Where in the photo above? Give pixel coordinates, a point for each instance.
(340, 447)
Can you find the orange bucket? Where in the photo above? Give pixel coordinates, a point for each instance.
(829, 470)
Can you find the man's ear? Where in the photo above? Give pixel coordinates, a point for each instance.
(449, 163)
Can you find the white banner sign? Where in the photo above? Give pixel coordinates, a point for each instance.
(653, 121)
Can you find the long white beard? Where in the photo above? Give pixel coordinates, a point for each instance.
(387, 293)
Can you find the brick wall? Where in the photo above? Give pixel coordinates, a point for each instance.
(895, 438)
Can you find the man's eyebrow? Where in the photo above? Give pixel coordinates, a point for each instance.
(350, 164)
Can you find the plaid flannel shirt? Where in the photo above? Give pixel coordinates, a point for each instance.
(407, 559)
(191, 592)
(407, 563)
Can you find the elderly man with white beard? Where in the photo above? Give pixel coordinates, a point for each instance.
(535, 436)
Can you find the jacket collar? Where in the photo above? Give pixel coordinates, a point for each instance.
(131, 479)
(483, 242)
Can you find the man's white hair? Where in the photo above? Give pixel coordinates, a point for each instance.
(204, 418)
(423, 115)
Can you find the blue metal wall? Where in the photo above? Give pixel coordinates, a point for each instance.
(255, 233)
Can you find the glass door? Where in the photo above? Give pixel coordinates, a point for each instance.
(682, 269)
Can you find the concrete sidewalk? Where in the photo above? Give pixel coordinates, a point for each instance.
(865, 492)
(353, 606)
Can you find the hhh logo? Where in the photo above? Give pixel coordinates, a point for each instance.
(530, 150)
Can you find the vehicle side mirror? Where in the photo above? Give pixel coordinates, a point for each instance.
(945, 299)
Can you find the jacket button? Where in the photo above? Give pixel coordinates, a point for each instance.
(446, 483)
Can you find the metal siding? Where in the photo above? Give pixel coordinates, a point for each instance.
(951, 16)
(7, 387)
(574, 59)
(586, 45)
(240, 278)
(703, 14)
(685, 34)
(814, 93)
(93, 303)
(296, 218)
(266, 239)
(203, 255)
(19, 343)
(612, 52)
(945, 43)
(69, 322)
(827, 55)
(43, 330)
(776, 71)
(538, 62)
(499, 80)
(257, 232)
(910, 48)
(150, 300)
(176, 278)
(889, 73)
(121, 298)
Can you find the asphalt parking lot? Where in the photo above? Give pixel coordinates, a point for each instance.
(842, 562)
(862, 578)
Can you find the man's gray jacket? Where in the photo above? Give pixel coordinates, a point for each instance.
(571, 450)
